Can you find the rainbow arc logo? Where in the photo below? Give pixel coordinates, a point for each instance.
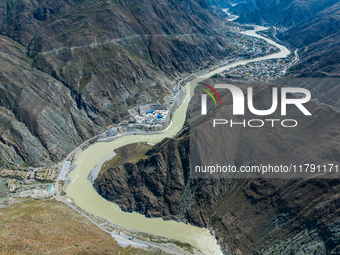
(204, 97)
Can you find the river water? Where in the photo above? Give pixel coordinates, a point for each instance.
(86, 197)
(232, 17)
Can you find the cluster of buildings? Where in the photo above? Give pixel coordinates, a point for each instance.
(266, 69)
(249, 45)
(149, 114)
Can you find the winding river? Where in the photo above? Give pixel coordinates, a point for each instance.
(85, 196)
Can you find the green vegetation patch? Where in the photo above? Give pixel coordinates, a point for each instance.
(131, 153)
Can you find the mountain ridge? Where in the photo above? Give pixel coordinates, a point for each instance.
(102, 57)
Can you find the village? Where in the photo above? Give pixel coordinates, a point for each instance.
(250, 46)
(261, 70)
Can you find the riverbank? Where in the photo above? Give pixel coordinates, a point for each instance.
(84, 195)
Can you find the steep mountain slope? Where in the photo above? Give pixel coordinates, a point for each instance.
(34, 107)
(248, 6)
(282, 12)
(318, 39)
(318, 42)
(238, 6)
(88, 62)
(252, 216)
(224, 3)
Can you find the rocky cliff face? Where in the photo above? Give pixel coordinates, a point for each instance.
(251, 216)
(152, 186)
(72, 67)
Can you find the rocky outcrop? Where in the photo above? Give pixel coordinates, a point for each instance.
(12, 185)
(152, 186)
